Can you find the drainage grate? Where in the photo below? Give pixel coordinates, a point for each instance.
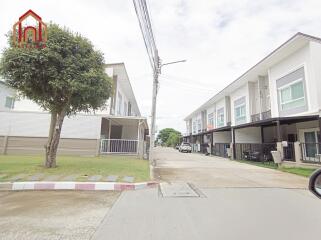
(168, 190)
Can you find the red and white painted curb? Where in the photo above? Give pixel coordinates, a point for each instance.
(92, 186)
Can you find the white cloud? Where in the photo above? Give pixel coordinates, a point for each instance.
(220, 39)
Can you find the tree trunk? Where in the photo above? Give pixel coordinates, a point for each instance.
(53, 138)
(53, 121)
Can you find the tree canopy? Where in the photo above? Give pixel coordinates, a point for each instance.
(169, 137)
(65, 77)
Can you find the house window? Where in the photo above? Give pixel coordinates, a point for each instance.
(240, 116)
(210, 121)
(120, 102)
(291, 92)
(194, 127)
(292, 95)
(220, 117)
(9, 102)
(240, 110)
(199, 125)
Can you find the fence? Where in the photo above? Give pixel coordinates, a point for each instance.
(260, 152)
(118, 146)
(220, 149)
(194, 147)
(311, 152)
(288, 152)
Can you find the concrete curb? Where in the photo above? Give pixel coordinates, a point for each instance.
(86, 186)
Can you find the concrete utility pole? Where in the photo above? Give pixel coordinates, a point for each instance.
(153, 115)
(148, 36)
(153, 121)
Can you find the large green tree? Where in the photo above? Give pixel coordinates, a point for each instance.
(167, 135)
(173, 139)
(65, 77)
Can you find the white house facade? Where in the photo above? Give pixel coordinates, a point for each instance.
(119, 128)
(274, 105)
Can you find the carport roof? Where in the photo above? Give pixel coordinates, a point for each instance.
(266, 122)
(127, 120)
(282, 120)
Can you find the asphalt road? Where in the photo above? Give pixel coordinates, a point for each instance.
(230, 200)
(237, 201)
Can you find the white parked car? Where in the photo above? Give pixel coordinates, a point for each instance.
(185, 147)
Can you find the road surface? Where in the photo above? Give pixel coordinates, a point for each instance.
(236, 201)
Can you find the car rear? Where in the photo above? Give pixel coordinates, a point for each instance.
(186, 147)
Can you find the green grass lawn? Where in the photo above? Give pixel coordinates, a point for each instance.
(260, 164)
(305, 172)
(121, 166)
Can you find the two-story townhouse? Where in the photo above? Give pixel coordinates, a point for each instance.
(275, 101)
(24, 128)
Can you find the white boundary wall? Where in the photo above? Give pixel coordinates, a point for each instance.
(34, 124)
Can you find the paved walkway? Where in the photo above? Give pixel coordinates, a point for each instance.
(209, 171)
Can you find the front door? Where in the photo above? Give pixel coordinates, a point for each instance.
(311, 143)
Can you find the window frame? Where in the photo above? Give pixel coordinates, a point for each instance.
(199, 125)
(288, 86)
(194, 127)
(210, 119)
(241, 118)
(220, 117)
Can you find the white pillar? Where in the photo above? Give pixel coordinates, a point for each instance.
(138, 137)
(279, 147)
(297, 153)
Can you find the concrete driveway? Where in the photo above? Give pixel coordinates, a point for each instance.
(229, 200)
(209, 171)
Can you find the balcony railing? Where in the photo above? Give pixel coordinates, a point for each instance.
(255, 117)
(261, 116)
(266, 115)
(118, 146)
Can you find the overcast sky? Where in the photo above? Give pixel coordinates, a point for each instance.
(220, 39)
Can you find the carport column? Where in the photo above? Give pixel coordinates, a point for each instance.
(320, 120)
(278, 129)
(297, 153)
(212, 140)
(138, 138)
(279, 146)
(233, 144)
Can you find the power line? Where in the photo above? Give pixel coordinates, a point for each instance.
(152, 52)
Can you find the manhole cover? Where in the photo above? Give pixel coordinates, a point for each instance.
(177, 190)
